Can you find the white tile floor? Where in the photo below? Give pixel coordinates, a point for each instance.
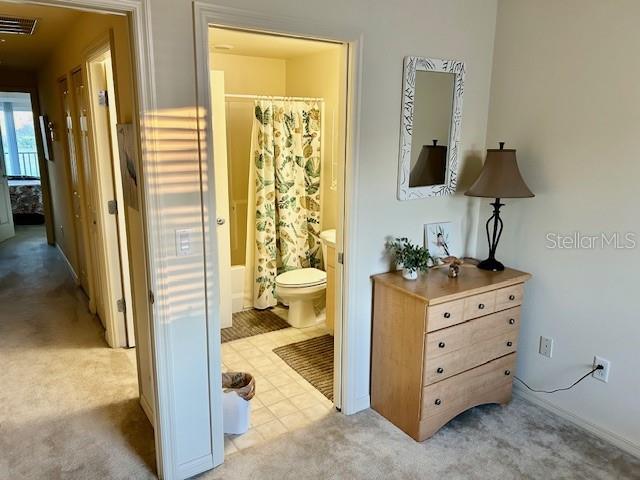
(284, 401)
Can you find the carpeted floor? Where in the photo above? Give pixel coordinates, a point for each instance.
(313, 360)
(68, 403)
(252, 322)
(519, 441)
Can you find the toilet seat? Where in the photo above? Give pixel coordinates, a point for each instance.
(302, 277)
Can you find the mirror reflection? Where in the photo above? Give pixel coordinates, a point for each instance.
(432, 110)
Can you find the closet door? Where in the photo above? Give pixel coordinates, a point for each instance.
(77, 192)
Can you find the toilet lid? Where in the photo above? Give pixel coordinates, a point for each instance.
(302, 277)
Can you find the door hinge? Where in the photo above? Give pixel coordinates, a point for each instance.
(122, 305)
(152, 298)
(341, 258)
(112, 207)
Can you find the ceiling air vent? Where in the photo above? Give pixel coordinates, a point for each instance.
(16, 25)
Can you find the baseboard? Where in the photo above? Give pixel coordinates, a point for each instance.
(607, 435)
(196, 466)
(69, 266)
(148, 411)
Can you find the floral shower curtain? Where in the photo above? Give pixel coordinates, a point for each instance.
(285, 186)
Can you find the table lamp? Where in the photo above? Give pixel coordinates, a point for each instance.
(499, 178)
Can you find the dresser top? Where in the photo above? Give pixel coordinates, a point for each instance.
(436, 287)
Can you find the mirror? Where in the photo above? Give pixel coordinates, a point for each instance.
(431, 114)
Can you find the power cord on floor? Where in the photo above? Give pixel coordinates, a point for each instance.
(597, 367)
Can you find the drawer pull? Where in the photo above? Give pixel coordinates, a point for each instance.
(441, 345)
(509, 344)
(447, 315)
(512, 297)
(438, 401)
(440, 370)
(481, 306)
(507, 372)
(512, 321)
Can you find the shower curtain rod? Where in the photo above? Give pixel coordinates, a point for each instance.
(270, 97)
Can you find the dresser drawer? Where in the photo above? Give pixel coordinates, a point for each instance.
(479, 305)
(445, 315)
(463, 336)
(509, 297)
(445, 366)
(467, 389)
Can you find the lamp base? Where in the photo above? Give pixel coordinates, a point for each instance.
(491, 264)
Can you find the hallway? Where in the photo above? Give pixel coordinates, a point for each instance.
(68, 403)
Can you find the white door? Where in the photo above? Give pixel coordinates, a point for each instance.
(222, 195)
(6, 214)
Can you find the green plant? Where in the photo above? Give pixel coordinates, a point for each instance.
(410, 256)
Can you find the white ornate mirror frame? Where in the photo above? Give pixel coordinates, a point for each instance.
(411, 65)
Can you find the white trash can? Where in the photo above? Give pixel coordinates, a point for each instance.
(236, 413)
(239, 389)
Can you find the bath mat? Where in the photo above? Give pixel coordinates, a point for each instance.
(252, 322)
(313, 360)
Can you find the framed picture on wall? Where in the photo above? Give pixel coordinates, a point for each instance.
(128, 153)
(442, 239)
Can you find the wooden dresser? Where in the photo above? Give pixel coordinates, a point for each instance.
(443, 345)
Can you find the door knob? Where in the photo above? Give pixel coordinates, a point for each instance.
(220, 221)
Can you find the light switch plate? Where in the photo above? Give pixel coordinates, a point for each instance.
(183, 242)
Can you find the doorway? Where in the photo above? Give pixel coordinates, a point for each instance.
(72, 312)
(238, 58)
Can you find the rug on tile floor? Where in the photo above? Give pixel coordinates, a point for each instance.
(313, 360)
(252, 322)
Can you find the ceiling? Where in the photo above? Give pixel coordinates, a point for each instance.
(263, 45)
(30, 51)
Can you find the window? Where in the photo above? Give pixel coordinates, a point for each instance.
(18, 135)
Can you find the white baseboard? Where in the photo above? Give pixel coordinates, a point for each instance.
(148, 411)
(69, 266)
(607, 435)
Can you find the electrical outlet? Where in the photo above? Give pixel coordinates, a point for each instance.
(546, 347)
(602, 375)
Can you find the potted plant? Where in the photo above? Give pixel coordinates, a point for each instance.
(412, 258)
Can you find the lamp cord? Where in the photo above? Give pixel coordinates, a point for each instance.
(597, 367)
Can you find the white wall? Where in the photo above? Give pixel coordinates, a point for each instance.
(457, 29)
(565, 94)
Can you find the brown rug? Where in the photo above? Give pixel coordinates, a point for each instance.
(252, 322)
(313, 359)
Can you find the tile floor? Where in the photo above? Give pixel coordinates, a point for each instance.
(284, 401)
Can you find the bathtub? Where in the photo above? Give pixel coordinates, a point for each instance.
(237, 288)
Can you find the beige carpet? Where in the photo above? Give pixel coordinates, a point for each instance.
(68, 403)
(519, 441)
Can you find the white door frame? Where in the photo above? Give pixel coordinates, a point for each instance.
(142, 50)
(205, 15)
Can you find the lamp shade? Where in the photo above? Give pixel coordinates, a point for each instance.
(500, 177)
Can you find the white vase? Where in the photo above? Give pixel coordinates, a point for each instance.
(408, 274)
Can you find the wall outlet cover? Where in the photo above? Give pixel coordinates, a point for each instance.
(602, 375)
(546, 347)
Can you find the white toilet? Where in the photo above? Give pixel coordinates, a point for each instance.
(299, 289)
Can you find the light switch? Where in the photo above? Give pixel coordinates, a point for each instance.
(183, 242)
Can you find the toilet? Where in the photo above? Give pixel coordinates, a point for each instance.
(299, 289)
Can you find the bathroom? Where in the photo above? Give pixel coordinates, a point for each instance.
(279, 108)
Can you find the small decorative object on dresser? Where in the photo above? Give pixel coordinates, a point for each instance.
(441, 346)
(412, 258)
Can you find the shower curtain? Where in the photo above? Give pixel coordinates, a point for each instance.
(283, 224)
